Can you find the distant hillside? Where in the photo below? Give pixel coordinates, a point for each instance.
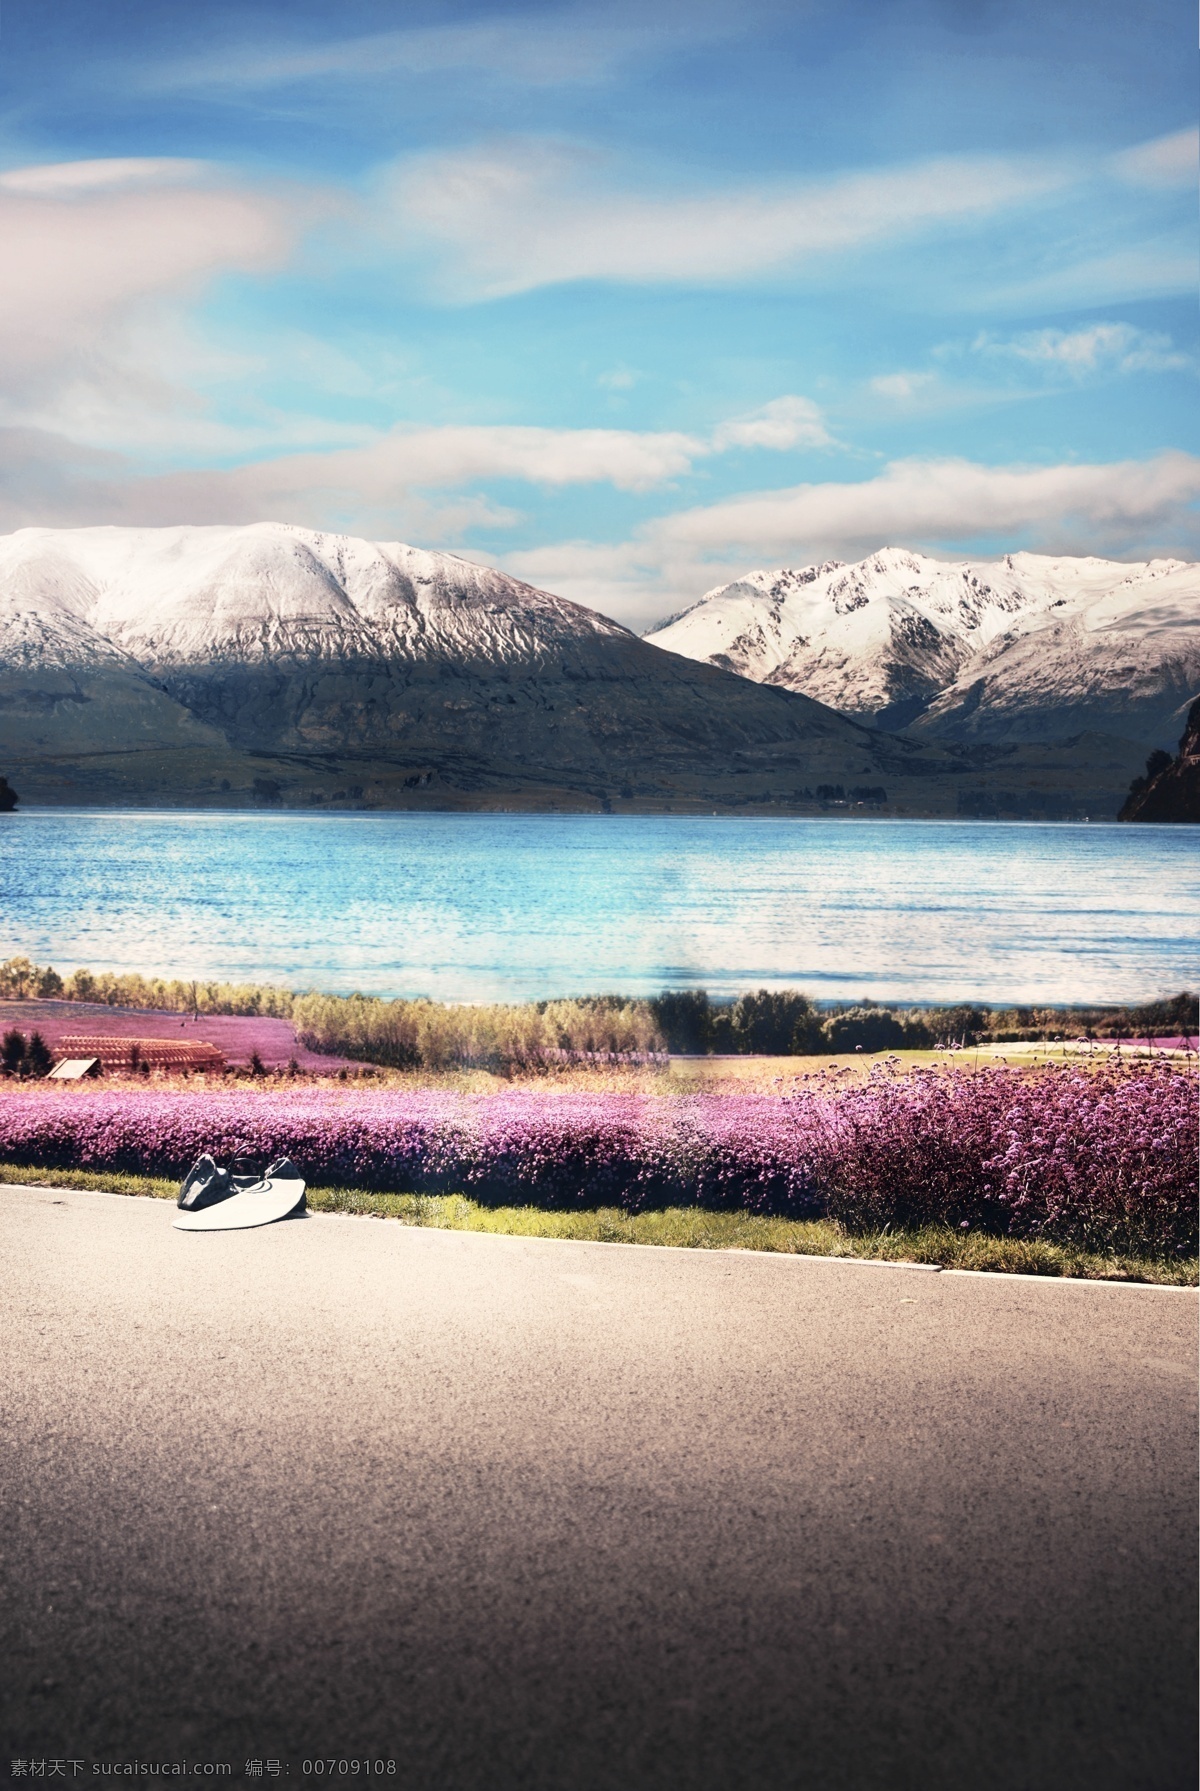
(269, 664)
(1171, 791)
(1022, 649)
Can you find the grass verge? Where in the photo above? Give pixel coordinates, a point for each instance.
(689, 1228)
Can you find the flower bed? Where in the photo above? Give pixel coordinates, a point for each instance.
(1101, 1157)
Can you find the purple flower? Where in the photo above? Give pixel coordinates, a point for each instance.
(1103, 1156)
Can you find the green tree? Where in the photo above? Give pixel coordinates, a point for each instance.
(864, 1029)
(769, 1021)
(684, 1018)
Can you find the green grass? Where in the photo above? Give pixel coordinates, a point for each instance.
(688, 1228)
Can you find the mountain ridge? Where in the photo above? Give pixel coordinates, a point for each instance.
(1028, 647)
(268, 663)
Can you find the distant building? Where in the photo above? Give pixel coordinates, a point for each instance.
(129, 1056)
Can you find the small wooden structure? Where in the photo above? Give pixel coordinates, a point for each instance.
(129, 1056)
(74, 1069)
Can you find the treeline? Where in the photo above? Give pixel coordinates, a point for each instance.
(784, 1023)
(428, 1035)
(21, 980)
(401, 1034)
(432, 1035)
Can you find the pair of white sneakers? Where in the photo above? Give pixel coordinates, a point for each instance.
(214, 1198)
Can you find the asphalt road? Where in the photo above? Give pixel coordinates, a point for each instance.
(516, 1513)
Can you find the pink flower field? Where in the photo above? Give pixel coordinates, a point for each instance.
(1100, 1157)
(238, 1035)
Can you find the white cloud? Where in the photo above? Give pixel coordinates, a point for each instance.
(902, 387)
(103, 261)
(413, 459)
(1098, 347)
(1170, 161)
(49, 480)
(82, 243)
(526, 214)
(941, 500)
(788, 422)
(370, 485)
(459, 454)
(1124, 508)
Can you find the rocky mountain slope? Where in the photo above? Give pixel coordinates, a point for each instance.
(269, 664)
(1026, 648)
(1170, 792)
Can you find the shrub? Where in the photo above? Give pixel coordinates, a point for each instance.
(864, 1029)
(1102, 1158)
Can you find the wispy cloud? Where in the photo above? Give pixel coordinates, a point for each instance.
(580, 46)
(1139, 265)
(990, 368)
(104, 263)
(79, 180)
(518, 215)
(618, 379)
(452, 456)
(1171, 161)
(387, 480)
(941, 500)
(903, 387)
(1098, 347)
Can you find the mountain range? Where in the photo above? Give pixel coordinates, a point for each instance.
(1027, 648)
(268, 664)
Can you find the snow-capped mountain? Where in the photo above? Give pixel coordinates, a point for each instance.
(356, 671)
(1024, 648)
(263, 594)
(277, 664)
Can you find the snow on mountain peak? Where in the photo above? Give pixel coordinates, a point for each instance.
(900, 639)
(264, 590)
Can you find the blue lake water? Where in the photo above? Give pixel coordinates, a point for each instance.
(512, 907)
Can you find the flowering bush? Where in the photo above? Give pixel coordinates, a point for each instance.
(1105, 1158)
(1099, 1157)
(549, 1149)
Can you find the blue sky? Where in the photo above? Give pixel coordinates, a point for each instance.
(626, 299)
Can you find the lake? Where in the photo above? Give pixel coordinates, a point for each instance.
(514, 907)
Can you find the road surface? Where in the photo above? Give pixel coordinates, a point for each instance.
(518, 1513)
